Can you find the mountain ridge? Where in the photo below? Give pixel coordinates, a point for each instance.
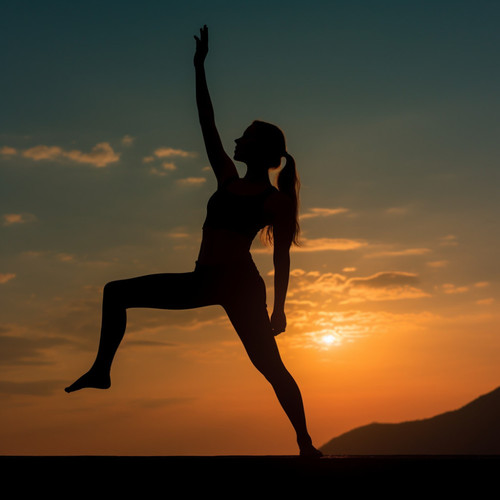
(473, 429)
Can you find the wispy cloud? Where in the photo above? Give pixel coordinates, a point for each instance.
(65, 257)
(42, 152)
(384, 279)
(448, 240)
(321, 245)
(323, 212)
(165, 168)
(178, 234)
(128, 140)
(4, 278)
(450, 288)
(191, 181)
(485, 302)
(397, 211)
(164, 152)
(325, 244)
(400, 253)
(381, 286)
(11, 219)
(101, 154)
(169, 165)
(438, 263)
(8, 151)
(481, 284)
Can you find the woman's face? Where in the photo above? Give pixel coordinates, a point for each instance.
(246, 145)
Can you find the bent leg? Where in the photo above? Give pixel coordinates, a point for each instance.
(160, 291)
(254, 329)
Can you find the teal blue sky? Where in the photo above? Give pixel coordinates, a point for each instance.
(383, 103)
(389, 107)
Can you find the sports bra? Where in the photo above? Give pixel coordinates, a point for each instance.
(239, 213)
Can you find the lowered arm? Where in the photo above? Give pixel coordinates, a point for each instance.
(283, 227)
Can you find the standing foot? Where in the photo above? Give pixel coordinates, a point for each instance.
(92, 379)
(307, 449)
(310, 452)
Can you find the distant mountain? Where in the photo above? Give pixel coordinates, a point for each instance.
(471, 430)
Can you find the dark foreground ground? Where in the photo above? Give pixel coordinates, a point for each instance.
(248, 476)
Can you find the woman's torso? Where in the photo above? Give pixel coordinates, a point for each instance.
(235, 214)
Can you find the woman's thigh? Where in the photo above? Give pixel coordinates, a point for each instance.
(161, 291)
(251, 321)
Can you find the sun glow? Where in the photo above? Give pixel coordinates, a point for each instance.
(325, 339)
(328, 339)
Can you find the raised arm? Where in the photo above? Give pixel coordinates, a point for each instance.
(221, 163)
(283, 227)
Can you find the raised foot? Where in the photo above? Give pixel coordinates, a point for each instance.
(92, 379)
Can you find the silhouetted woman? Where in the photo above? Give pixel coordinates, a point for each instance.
(225, 273)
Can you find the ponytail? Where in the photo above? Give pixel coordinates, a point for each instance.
(288, 183)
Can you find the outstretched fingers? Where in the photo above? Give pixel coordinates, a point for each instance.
(201, 45)
(203, 38)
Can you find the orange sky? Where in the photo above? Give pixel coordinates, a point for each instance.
(391, 113)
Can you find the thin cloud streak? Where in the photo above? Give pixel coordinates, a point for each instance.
(4, 278)
(101, 155)
(12, 219)
(164, 152)
(191, 181)
(381, 286)
(8, 151)
(128, 140)
(321, 245)
(438, 263)
(323, 212)
(400, 253)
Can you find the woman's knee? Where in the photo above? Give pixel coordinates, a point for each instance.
(269, 364)
(114, 291)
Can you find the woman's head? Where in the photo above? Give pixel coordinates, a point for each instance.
(261, 144)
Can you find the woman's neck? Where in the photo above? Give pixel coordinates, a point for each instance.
(257, 175)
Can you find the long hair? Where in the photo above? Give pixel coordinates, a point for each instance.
(287, 181)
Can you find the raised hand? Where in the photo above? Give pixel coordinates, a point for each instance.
(201, 46)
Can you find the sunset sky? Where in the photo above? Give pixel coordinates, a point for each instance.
(390, 109)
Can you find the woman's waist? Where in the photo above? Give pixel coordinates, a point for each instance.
(234, 266)
(220, 246)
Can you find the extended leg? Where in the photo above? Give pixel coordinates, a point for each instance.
(254, 329)
(162, 291)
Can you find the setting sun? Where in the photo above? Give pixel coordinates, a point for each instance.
(328, 339)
